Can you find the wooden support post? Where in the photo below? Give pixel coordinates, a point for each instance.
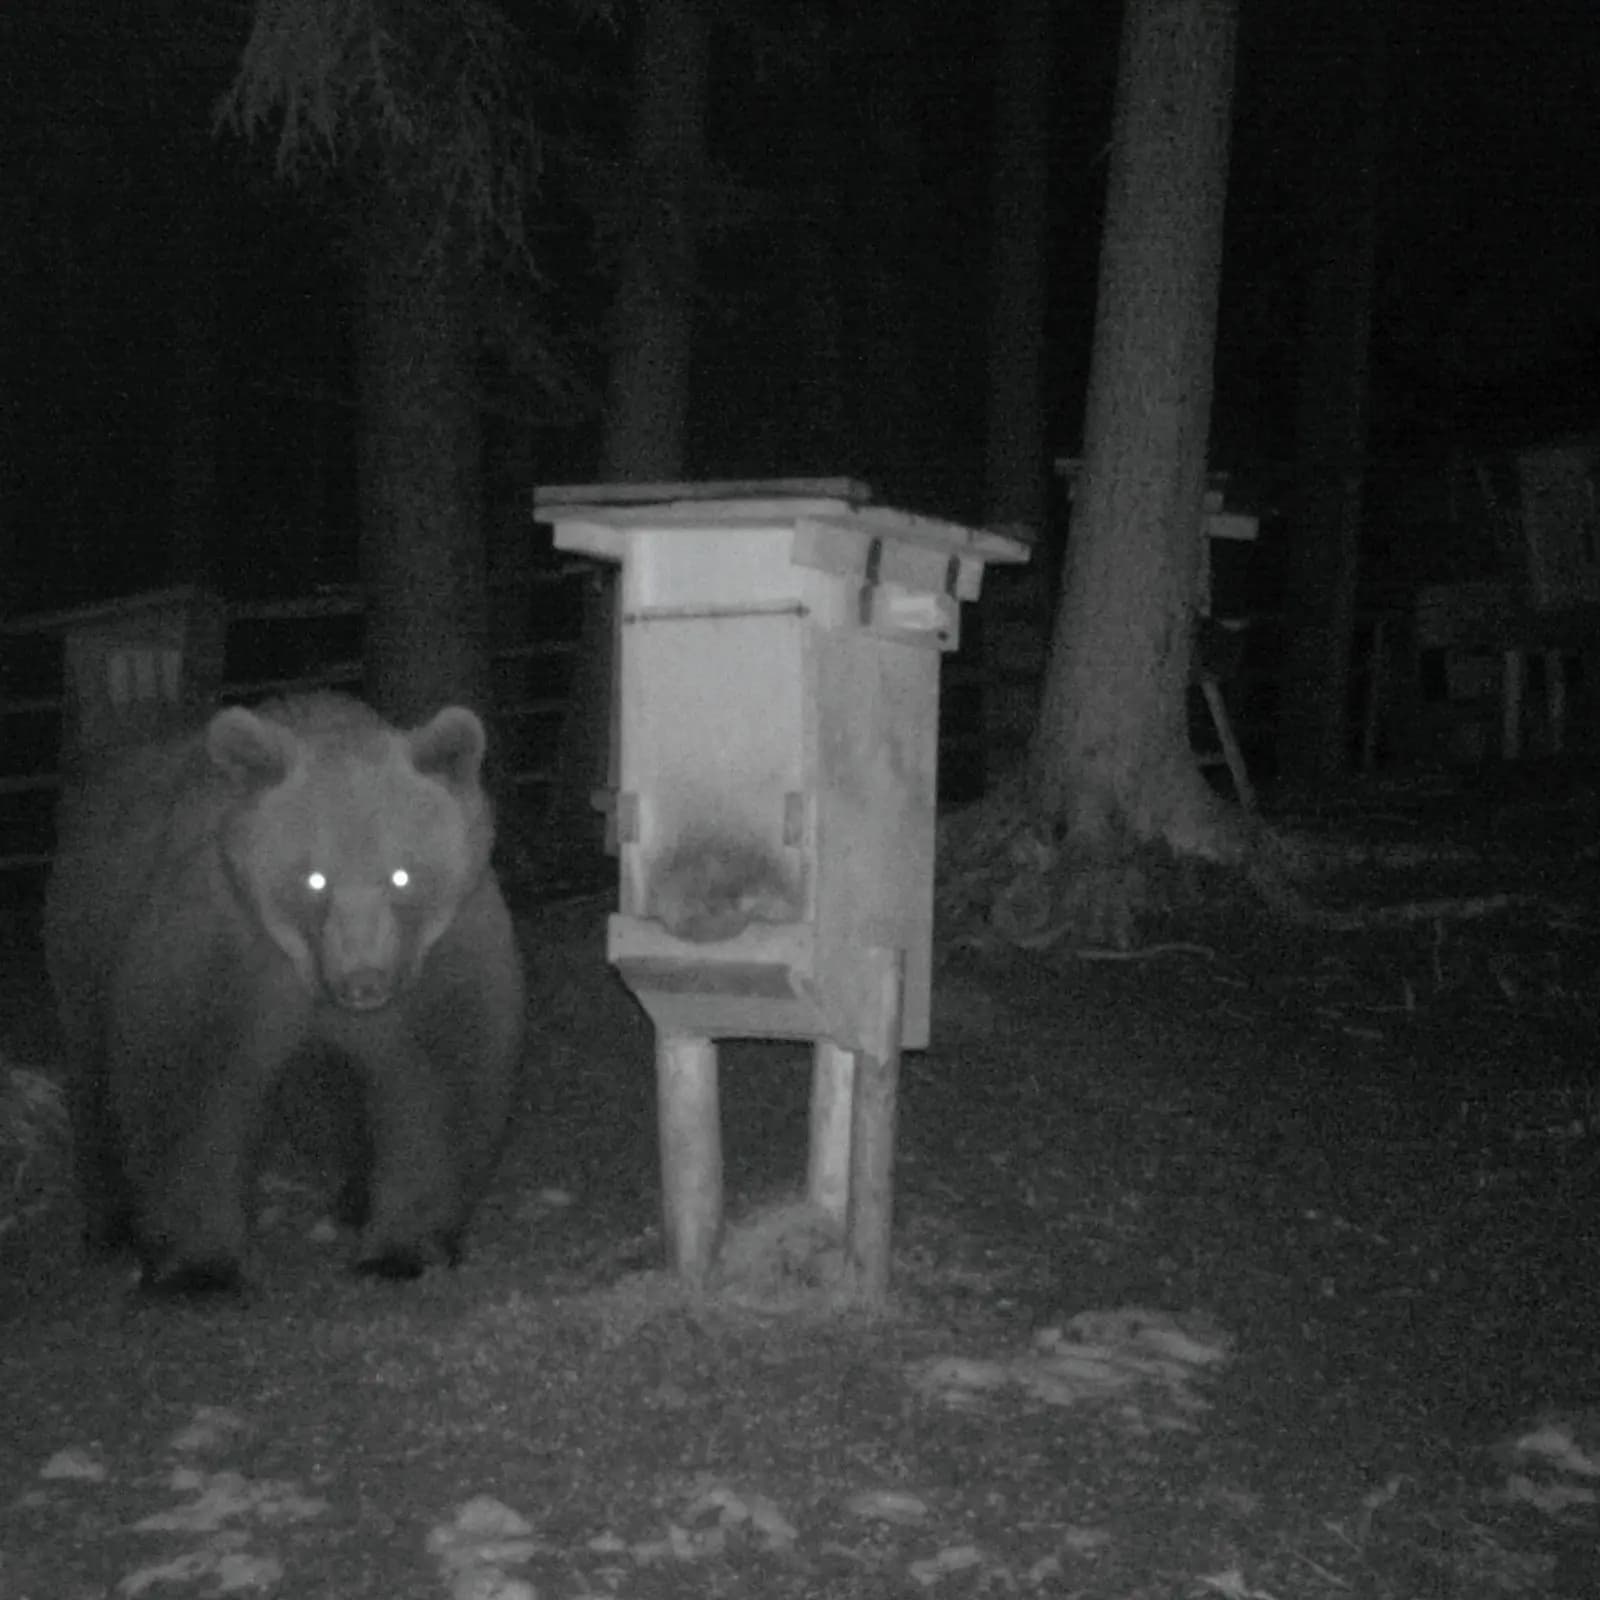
(833, 1087)
(691, 1154)
(1231, 753)
(871, 1209)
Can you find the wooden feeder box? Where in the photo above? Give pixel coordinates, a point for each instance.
(778, 725)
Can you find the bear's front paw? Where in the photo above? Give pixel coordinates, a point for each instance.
(397, 1265)
(193, 1277)
(398, 1262)
(192, 1245)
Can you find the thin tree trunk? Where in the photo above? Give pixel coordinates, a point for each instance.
(1111, 758)
(889, 397)
(818, 432)
(196, 423)
(1331, 419)
(13, 342)
(422, 536)
(652, 322)
(1009, 624)
(1015, 468)
(652, 330)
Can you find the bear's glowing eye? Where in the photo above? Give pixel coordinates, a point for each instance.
(317, 882)
(400, 878)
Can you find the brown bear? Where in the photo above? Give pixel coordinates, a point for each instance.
(298, 886)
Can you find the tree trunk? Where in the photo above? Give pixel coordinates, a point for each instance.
(1005, 634)
(1111, 759)
(195, 422)
(652, 327)
(890, 392)
(422, 535)
(1331, 417)
(1015, 467)
(647, 402)
(817, 439)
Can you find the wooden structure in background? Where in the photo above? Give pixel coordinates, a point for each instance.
(1020, 636)
(1476, 641)
(777, 751)
(118, 661)
(136, 668)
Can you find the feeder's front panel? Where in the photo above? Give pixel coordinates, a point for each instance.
(715, 822)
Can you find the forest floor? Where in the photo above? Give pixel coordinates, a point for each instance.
(1259, 1263)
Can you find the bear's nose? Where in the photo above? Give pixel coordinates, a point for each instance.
(363, 991)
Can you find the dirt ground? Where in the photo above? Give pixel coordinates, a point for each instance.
(1260, 1264)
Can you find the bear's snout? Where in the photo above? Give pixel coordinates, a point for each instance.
(361, 954)
(363, 991)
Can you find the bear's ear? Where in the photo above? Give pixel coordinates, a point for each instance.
(449, 748)
(250, 749)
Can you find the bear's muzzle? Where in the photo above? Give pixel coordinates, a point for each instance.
(361, 949)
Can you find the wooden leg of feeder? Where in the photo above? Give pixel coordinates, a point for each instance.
(691, 1154)
(871, 1208)
(833, 1087)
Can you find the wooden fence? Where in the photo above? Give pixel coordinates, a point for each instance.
(287, 646)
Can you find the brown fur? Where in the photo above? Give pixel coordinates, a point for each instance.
(195, 961)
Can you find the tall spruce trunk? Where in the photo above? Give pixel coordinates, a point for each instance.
(1331, 414)
(1008, 622)
(652, 321)
(423, 558)
(195, 426)
(1111, 759)
(889, 401)
(647, 398)
(1015, 452)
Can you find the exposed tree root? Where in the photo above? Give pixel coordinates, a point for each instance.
(1008, 877)
(1462, 908)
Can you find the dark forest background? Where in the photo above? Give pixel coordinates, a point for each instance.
(175, 339)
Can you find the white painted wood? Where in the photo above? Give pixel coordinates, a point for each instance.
(603, 520)
(870, 1228)
(761, 985)
(691, 1153)
(875, 777)
(833, 1088)
(712, 727)
(777, 765)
